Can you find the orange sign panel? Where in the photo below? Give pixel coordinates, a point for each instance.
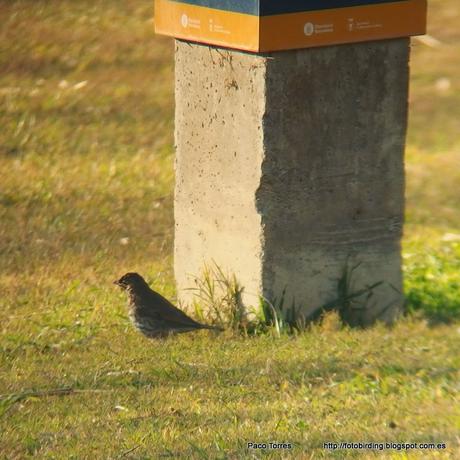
(273, 25)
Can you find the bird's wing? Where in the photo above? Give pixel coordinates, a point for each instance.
(168, 312)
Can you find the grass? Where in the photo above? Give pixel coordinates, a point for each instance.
(86, 173)
(205, 394)
(432, 278)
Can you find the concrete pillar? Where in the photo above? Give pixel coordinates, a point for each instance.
(290, 166)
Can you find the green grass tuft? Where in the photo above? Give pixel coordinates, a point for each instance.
(432, 281)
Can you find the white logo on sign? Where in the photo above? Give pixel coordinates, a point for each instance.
(308, 29)
(184, 20)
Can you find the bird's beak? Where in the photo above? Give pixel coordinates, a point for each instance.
(117, 282)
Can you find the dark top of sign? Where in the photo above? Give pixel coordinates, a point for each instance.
(272, 7)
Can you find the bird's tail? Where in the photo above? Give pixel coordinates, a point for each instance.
(212, 328)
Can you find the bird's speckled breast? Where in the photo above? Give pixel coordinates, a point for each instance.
(144, 325)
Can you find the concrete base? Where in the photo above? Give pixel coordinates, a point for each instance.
(289, 167)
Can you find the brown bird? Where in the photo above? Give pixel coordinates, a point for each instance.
(152, 314)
